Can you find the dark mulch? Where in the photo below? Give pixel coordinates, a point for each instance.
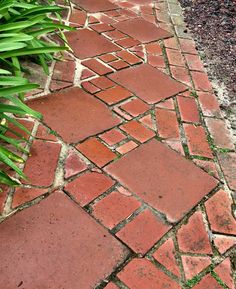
(213, 23)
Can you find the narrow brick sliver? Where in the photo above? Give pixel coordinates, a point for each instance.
(131, 172)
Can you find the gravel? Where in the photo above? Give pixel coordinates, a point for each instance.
(213, 25)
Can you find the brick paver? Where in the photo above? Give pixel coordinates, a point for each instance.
(134, 139)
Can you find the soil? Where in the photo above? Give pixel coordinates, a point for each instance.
(213, 25)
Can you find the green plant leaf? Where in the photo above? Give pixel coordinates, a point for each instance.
(6, 180)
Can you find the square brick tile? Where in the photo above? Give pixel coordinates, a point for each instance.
(148, 83)
(115, 208)
(95, 6)
(123, 149)
(96, 151)
(55, 242)
(143, 232)
(87, 43)
(158, 176)
(142, 30)
(69, 113)
(88, 186)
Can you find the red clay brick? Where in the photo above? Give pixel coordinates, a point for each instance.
(78, 17)
(156, 61)
(97, 66)
(142, 30)
(176, 145)
(88, 186)
(42, 163)
(111, 286)
(224, 243)
(156, 189)
(127, 147)
(103, 82)
(96, 6)
(147, 121)
(207, 166)
(201, 81)
(171, 43)
(88, 86)
(223, 270)
(56, 85)
(97, 152)
(187, 46)
(108, 58)
(73, 165)
(219, 213)
(24, 195)
(193, 265)
(135, 107)
(64, 71)
(148, 83)
(86, 43)
(127, 42)
(55, 242)
(227, 163)
(120, 64)
(45, 133)
(27, 124)
(115, 35)
(167, 124)
(143, 232)
(153, 48)
(122, 113)
(114, 208)
(188, 109)
(86, 73)
(181, 74)
(219, 133)
(114, 94)
(175, 57)
(141, 273)
(168, 104)
(92, 20)
(75, 121)
(208, 282)
(128, 57)
(138, 131)
(101, 27)
(166, 255)
(209, 104)
(112, 137)
(193, 237)
(194, 62)
(197, 141)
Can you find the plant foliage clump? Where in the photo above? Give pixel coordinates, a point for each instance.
(24, 29)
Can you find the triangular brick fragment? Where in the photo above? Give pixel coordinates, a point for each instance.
(165, 255)
(224, 243)
(224, 271)
(193, 265)
(193, 237)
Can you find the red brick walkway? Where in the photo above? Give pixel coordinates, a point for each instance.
(132, 171)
